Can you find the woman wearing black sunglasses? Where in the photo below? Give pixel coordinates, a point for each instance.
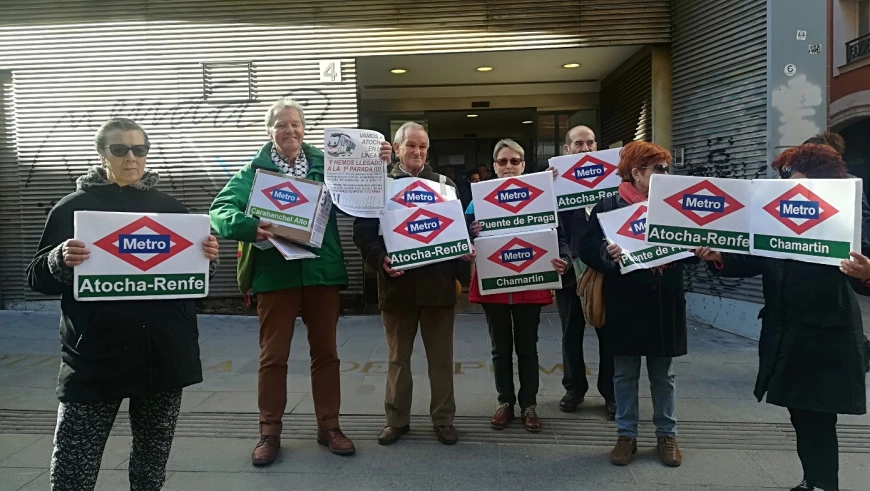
(811, 354)
(143, 350)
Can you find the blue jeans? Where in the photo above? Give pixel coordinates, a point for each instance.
(662, 389)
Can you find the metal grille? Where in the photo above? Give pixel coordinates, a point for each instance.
(626, 102)
(71, 73)
(719, 99)
(12, 255)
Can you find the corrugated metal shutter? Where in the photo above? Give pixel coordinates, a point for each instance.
(13, 256)
(626, 102)
(719, 54)
(199, 75)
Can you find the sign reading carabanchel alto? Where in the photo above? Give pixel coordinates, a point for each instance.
(137, 256)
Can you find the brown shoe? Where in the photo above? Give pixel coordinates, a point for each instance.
(446, 434)
(502, 416)
(266, 450)
(531, 420)
(624, 449)
(336, 441)
(390, 434)
(669, 452)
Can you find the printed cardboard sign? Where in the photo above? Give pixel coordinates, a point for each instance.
(298, 208)
(141, 256)
(424, 235)
(691, 212)
(515, 204)
(810, 220)
(627, 227)
(585, 178)
(412, 192)
(517, 262)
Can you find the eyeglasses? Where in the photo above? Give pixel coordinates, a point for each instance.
(657, 169)
(514, 162)
(785, 172)
(119, 150)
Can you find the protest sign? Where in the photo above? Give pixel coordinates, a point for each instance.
(424, 235)
(517, 262)
(355, 175)
(515, 204)
(141, 256)
(298, 208)
(627, 227)
(692, 212)
(584, 179)
(412, 192)
(811, 220)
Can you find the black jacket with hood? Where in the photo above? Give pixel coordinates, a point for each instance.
(114, 350)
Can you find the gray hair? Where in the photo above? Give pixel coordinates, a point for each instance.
(508, 143)
(123, 124)
(400, 133)
(280, 105)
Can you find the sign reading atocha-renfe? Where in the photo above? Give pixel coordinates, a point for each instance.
(694, 212)
(585, 179)
(136, 256)
(811, 220)
(515, 204)
(424, 235)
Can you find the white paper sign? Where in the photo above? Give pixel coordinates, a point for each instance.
(289, 250)
(428, 234)
(141, 256)
(627, 227)
(810, 220)
(517, 262)
(515, 204)
(585, 178)
(411, 192)
(695, 212)
(355, 174)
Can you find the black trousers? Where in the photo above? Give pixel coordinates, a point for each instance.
(514, 327)
(573, 328)
(817, 446)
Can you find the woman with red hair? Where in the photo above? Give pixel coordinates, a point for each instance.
(811, 354)
(645, 313)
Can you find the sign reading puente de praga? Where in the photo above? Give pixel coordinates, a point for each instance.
(138, 256)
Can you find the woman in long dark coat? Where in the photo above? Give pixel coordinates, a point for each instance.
(811, 352)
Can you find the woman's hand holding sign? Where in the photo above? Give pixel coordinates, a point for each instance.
(559, 265)
(857, 267)
(615, 251)
(210, 248)
(74, 252)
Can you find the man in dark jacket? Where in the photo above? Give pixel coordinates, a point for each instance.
(424, 296)
(572, 226)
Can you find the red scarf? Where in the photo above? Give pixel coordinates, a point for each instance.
(629, 193)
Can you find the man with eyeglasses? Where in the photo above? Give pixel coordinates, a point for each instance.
(572, 225)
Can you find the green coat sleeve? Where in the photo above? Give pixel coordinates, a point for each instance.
(227, 211)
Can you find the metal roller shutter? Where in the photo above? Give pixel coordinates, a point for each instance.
(719, 98)
(13, 256)
(626, 102)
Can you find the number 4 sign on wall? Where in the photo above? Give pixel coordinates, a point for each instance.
(330, 71)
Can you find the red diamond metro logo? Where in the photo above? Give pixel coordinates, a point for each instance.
(704, 203)
(635, 226)
(284, 196)
(800, 215)
(423, 225)
(517, 255)
(589, 171)
(143, 243)
(417, 194)
(513, 195)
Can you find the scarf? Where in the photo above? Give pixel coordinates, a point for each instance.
(629, 193)
(299, 168)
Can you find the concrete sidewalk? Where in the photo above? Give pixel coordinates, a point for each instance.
(728, 440)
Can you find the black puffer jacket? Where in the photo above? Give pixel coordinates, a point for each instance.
(114, 350)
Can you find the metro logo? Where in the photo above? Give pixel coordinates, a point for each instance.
(704, 203)
(517, 255)
(143, 243)
(589, 171)
(423, 226)
(635, 226)
(800, 215)
(417, 194)
(285, 196)
(513, 195)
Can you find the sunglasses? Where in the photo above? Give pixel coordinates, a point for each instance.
(119, 150)
(514, 162)
(657, 169)
(785, 172)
